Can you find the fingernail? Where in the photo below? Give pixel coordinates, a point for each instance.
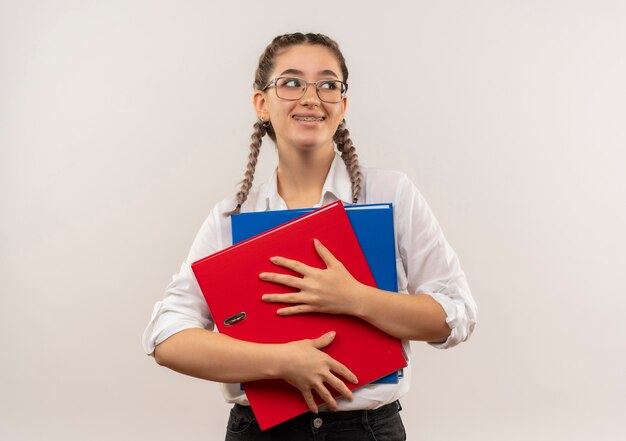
(273, 259)
(263, 276)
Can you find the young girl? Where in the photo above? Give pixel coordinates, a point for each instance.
(300, 99)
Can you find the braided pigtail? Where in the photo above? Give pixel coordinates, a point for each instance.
(260, 129)
(350, 158)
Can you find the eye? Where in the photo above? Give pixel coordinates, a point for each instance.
(329, 85)
(291, 82)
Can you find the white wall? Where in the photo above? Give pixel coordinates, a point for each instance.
(123, 122)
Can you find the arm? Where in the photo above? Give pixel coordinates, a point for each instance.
(440, 311)
(406, 317)
(217, 357)
(333, 290)
(179, 336)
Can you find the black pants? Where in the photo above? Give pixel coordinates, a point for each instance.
(382, 424)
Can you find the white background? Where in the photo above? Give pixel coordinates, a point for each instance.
(123, 122)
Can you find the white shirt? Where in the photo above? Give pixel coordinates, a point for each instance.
(425, 264)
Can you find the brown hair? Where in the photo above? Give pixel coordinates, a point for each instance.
(261, 78)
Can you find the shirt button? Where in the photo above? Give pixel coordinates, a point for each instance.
(317, 423)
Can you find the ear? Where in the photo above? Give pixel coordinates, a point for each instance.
(259, 101)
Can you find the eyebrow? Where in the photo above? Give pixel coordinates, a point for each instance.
(325, 72)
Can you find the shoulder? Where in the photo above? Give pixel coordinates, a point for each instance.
(411, 211)
(214, 233)
(255, 201)
(375, 173)
(383, 185)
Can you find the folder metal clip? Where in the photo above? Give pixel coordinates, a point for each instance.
(235, 319)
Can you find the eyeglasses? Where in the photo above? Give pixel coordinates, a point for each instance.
(292, 89)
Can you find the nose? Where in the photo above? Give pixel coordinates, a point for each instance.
(310, 96)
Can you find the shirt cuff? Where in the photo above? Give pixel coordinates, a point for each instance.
(455, 319)
(156, 332)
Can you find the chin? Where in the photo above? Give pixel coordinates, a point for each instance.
(308, 143)
(314, 144)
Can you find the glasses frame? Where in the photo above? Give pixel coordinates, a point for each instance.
(306, 87)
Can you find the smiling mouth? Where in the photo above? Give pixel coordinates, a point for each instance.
(309, 118)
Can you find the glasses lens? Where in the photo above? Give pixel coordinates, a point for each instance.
(330, 91)
(290, 88)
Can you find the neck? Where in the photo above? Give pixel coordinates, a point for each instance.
(301, 176)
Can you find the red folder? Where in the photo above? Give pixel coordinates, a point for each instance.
(231, 286)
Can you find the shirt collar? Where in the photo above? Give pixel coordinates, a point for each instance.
(336, 186)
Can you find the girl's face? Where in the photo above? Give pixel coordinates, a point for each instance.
(307, 123)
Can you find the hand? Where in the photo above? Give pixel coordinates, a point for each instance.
(332, 290)
(309, 369)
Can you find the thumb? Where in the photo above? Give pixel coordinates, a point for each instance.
(324, 340)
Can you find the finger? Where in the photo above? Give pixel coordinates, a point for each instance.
(324, 253)
(324, 340)
(341, 369)
(284, 298)
(326, 396)
(282, 279)
(340, 387)
(291, 264)
(293, 310)
(310, 401)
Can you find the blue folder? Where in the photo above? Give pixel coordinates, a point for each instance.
(372, 224)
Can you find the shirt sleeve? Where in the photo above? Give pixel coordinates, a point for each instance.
(431, 265)
(183, 305)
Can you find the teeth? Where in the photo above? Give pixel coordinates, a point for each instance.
(309, 118)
